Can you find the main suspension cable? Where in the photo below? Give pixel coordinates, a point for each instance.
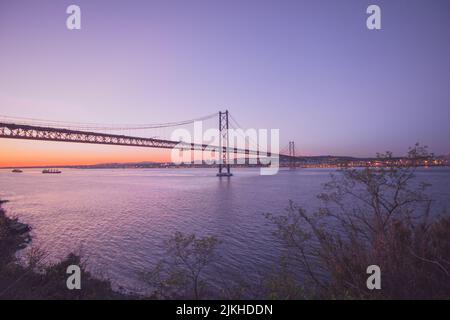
(97, 126)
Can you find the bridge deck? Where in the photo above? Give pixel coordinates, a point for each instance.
(29, 132)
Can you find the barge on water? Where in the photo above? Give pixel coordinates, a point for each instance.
(51, 171)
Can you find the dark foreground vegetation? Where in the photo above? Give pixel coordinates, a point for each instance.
(375, 216)
(372, 216)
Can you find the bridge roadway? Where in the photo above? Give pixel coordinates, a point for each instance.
(31, 132)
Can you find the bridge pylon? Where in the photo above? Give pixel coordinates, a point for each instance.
(292, 154)
(224, 141)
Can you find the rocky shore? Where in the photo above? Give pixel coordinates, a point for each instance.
(14, 236)
(20, 232)
(48, 282)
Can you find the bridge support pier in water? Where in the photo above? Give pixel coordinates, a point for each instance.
(224, 155)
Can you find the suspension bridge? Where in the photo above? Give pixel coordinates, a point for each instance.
(44, 130)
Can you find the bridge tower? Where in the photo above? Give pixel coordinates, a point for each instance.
(292, 154)
(224, 141)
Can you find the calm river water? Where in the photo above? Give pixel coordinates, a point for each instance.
(119, 219)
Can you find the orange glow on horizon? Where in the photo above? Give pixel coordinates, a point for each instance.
(22, 153)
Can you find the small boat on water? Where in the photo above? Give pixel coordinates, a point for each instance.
(53, 171)
(17, 171)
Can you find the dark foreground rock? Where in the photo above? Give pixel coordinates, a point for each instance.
(45, 282)
(18, 227)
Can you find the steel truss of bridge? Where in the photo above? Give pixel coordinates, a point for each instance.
(30, 132)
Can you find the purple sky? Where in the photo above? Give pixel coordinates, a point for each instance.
(310, 68)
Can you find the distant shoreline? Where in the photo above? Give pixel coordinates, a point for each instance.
(127, 166)
(325, 161)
